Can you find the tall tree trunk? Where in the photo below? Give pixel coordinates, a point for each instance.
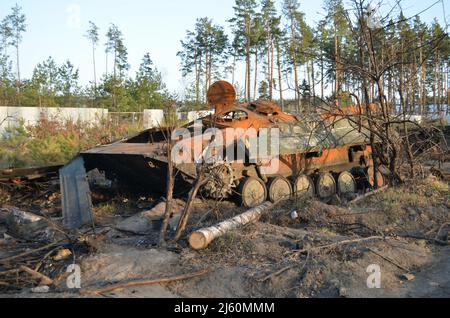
(294, 62)
(448, 88)
(169, 187)
(322, 92)
(271, 71)
(234, 68)
(255, 84)
(297, 92)
(247, 52)
(197, 80)
(248, 75)
(95, 68)
(269, 75)
(337, 62)
(115, 84)
(439, 65)
(18, 75)
(422, 81)
(95, 74)
(435, 83)
(280, 78)
(313, 78)
(206, 69)
(210, 77)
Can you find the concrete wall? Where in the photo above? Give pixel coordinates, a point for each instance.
(31, 115)
(153, 118)
(420, 119)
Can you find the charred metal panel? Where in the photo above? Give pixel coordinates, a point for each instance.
(314, 136)
(75, 194)
(29, 173)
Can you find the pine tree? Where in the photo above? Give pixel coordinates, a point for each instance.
(294, 16)
(204, 51)
(244, 11)
(116, 46)
(67, 83)
(148, 85)
(271, 24)
(340, 29)
(16, 22)
(44, 83)
(92, 35)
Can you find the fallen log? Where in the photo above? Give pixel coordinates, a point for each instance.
(200, 239)
(122, 286)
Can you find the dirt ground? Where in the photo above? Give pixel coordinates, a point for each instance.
(279, 256)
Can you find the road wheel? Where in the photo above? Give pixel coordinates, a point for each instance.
(253, 192)
(279, 188)
(325, 185)
(304, 186)
(346, 183)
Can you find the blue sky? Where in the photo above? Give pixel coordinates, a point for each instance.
(56, 28)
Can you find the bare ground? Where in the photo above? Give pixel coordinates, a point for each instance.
(263, 259)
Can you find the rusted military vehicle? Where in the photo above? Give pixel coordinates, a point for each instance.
(320, 154)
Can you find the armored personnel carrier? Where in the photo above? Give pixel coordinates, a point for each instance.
(320, 154)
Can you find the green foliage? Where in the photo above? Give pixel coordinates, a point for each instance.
(204, 52)
(53, 85)
(16, 22)
(92, 33)
(52, 142)
(115, 45)
(418, 53)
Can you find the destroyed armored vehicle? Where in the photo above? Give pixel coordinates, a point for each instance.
(321, 154)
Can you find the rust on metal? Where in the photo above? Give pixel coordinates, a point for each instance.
(315, 149)
(221, 95)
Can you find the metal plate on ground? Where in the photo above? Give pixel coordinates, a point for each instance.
(75, 194)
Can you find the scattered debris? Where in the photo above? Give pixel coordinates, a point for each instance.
(445, 176)
(408, 277)
(343, 292)
(442, 233)
(28, 174)
(344, 242)
(368, 194)
(147, 222)
(40, 289)
(296, 248)
(62, 254)
(44, 280)
(28, 226)
(294, 215)
(120, 286)
(388, 259)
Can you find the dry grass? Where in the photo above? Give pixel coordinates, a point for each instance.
(418, 193)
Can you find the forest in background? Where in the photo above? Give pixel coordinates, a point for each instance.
(53, 85)
(267, 50)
